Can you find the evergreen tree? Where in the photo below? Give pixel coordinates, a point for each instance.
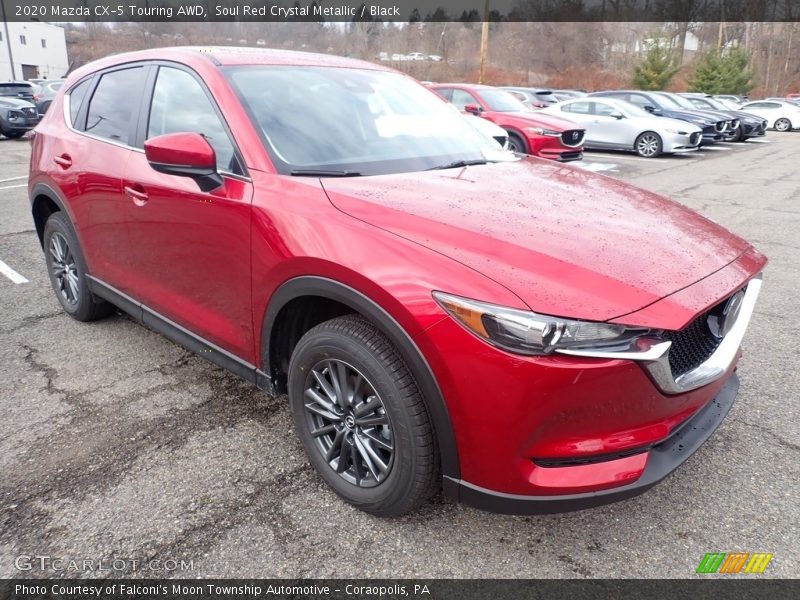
(718, 72)
(658, 67)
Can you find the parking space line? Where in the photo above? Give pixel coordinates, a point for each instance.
(13, 178)
(11, 274)
(11, 187)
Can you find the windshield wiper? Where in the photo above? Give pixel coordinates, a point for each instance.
(459, 163)
(323, 173)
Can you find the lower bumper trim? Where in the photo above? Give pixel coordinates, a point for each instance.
(663, 460)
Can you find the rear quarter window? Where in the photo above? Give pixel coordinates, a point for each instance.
(76, 97)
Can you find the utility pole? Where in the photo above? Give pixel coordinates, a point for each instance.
(484, 42)
(8, 40)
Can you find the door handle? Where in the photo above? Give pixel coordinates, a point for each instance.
(65, 161)
(139, 197)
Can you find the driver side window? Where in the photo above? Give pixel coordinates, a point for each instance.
(180, 105)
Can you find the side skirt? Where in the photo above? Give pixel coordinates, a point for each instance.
(180, 335)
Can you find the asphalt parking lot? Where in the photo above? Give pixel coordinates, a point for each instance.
(117, 444)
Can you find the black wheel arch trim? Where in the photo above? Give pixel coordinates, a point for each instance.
(333, 290)
(51, 193)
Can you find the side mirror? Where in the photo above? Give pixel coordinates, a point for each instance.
(184, 155)
(473, 109)
(616, 114)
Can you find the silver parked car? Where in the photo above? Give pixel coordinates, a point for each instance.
(613, 124)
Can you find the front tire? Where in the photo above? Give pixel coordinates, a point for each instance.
(67, 270)
(517, 144)
(648, 144)
(783, 125)
(361, 419)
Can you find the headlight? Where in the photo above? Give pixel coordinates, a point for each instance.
(526, 332)
(676, 131)
(13, 115)
(543, 131)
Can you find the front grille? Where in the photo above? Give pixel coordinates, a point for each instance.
(694, 139)
(572, 137)
(692, 345)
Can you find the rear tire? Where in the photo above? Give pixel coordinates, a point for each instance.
(67, 270)
(648, 144)
(783, 125)
(361, 419)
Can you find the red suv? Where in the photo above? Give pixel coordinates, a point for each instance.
(529, 132)
(534, 337)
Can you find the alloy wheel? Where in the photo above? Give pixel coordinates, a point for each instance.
(64, 269)
(782, 125)
(647, 145)
(349, 423)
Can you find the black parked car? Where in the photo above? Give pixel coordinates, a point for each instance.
(18, 113)
(750, 125)
(715, 128)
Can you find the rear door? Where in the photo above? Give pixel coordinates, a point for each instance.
(89, 160)
(189, 249)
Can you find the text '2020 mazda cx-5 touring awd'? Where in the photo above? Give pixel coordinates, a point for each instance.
(530, 336)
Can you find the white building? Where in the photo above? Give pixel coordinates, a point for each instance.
(38, 51)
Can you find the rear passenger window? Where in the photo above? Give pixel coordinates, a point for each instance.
(180, 105)
(111, 109)
(76, 98)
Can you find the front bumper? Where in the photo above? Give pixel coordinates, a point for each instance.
(675, 143)
(661, 460)
(19, 124)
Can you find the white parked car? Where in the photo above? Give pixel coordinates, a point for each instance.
(487, 128)
(417, 56)
(613, 124)
(780, 115)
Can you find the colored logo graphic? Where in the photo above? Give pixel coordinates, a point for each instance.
(734, 562)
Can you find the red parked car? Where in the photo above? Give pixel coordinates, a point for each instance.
(533, 337)
(529, 132)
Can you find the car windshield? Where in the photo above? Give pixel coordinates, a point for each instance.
(341, 121)
(682, 102)
(502, 101)
(669, 103)
(715, 104)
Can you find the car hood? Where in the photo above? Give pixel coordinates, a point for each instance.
(745, 116)
(9, 102)
(566, 241)
(687, 115)
(540, 118)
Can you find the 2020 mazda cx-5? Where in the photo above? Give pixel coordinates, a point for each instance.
(530, 336)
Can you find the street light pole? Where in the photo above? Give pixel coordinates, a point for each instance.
(484, 42)
(8, 39)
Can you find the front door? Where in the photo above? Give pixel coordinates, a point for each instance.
(191, 249)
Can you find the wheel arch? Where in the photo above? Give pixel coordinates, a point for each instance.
(45, 200)
(511, 130)
(332, 298)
